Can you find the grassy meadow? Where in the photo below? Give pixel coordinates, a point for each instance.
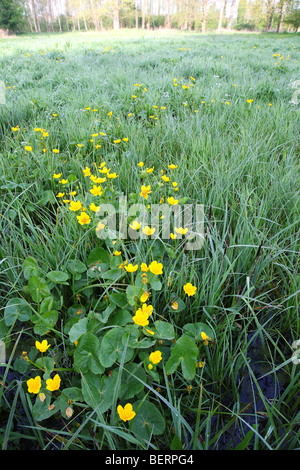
(198, 343)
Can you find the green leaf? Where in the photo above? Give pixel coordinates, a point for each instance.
(47, 196)
(16, 308)
(98, 391)
(46, 305)
(121, 318)
(130, 295)
(164, 330)
(194, 330)
(131, 386)
(185, 353)
(156, 284)
(38, 288)
(181, 306)
(48, 364)
(40, 409)
(176, 443)
(78, 329)
(86, 355)
(148, 420)
(120, 299)
(104, 316)
(98, 255)
(46, 323)
(112, 348)
(74, 266)
(112, 274)
(58, 277)
(30, 267)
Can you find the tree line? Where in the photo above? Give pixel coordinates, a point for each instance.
(37, 16)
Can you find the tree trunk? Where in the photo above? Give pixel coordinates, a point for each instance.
(281, 15)
(36, 18)
(143, 13)
(168, 17)
(232, 11)
(136, 15)
(204, 6)
(116, 15)
(221, 16)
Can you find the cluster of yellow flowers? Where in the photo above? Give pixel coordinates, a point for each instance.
(34, 384)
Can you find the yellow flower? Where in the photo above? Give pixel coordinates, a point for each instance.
(173, 236)
(100, 226)
(148, 231)
(87, 171)
(189, 289)
(150, 366)
(144, 267)
(75, 206)
(55, 150)
(79, 145)
(131, 268)
(112, 175)
(155, 357)
(28, 148)
(145, 190)
(34, 385)
(141, 164)
(43, 346)
(205, 338)
(96, 191)
(174, 306)
(72, 193)
(57, 176)
(83, 218)
(135, 225)
(53, 384)
(181, 231)
(144, 297)
(150, 170)
(117, 253)
(165, 178)
(141, 318)
(156, 268)
(249, 101)
(117, 141)
(145, 309)
(150, 332)
(94, 208)
(126, 413)
(172, 201)
(125, 139)
(103, 169)
(172, 167)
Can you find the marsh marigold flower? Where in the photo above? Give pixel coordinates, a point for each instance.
(43, 346)
(156, 268)
(148, 231)
(83, 218)
(189, 289)
(130, 268)
(155, 357)
(126, 413)
(75, 206)
(205, 338)
(145, 190)
(34, 385)
(53, 384)
(141, 318)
